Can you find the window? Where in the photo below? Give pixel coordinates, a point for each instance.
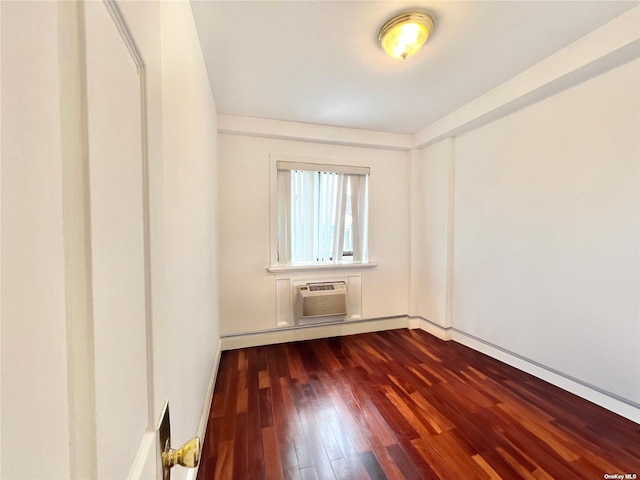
(322, 214)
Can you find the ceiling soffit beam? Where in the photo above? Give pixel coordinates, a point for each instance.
(307, 132)
(607, 47)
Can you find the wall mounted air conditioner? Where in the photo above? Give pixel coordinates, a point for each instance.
(321, 302)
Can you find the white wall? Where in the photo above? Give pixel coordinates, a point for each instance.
(190, 203)
(546, 260)
(248, 292)
(434, 182)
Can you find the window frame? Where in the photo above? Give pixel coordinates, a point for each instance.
(309, 164)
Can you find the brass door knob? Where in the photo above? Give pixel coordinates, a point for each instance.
(188, 455)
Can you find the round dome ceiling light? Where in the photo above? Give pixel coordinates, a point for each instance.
(402, 36)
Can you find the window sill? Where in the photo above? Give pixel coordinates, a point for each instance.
(321, 267)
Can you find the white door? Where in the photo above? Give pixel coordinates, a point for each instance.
(77, 396)
(119, 245)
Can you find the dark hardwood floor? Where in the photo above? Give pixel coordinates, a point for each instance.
(402, 404)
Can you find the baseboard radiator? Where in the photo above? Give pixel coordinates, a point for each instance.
(320, 302)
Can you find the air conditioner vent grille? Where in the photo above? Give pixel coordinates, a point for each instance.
(318, 300)
(317, 288)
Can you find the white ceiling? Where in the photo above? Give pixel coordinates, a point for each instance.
(319, 61)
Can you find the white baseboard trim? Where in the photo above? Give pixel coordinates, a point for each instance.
(311, 332)
(438, 331)
(591, 393)
(192, 473)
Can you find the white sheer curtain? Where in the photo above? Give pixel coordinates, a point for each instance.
(304, 227)
(359, 217)
(284, 217)
(313, 213)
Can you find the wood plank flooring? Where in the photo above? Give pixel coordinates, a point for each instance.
(402, 404)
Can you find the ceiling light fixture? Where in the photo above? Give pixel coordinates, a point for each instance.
(404, 35)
